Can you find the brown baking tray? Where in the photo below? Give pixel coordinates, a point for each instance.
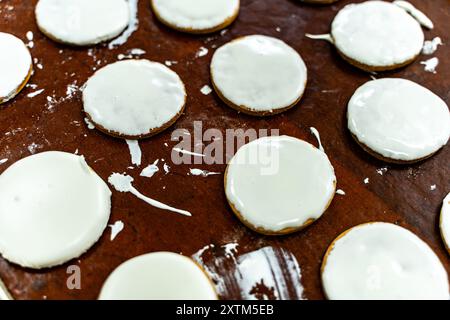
(401, 195)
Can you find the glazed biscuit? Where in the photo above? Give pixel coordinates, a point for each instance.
(258, 75)
(196, 16)
(16, 66)
(397, 120)
(377, 36)
(382, 261)
(279, 185)
(158, 276)
(134, 99)
(53, 208)
(82, 22)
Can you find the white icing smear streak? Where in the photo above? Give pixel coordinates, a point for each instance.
(417, 14)
(116, 228)
(122, 183)
(132, 26)
(316, 133)
(203, 173)
(267, 273)
(135, 152)
(325, 37)
(150, 170)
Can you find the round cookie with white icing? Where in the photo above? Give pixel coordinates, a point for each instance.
(278, 185)
(196, 16)
(444, 223)
(150, 99)
(382, 261)
(82, 22)
(397, 120)
(53, 208)
(16, 66)
(158, 276)
(377, 35)
(258, 75)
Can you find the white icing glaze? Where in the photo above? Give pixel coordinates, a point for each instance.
(377, 34)
(158, 276)
(4, 293)
(150, 170)
(116, 228)
(259, 73)
(133, 25)
(417, 14)
(196, 15)
(134, 97)
(316, 133)
(430, 46)
(15, 65)
(445, 221)
(277, 183)
(203, 173)
(399, 119)
(135, 152)
(53, 208)
(383, 261)
(430, 64)
(122, 183)
(82, 22)
(325, 37)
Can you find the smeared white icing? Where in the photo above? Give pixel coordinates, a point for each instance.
(135, 152)
(2, 161)
(133, 25)
(166, 168)
(417, 14)
(326, 37)
(206, 90)
(158, 276)
(201, 52)
(150, 170)
(399, 119)
(203, 173)
(259, 73)
(82, 22)
(383, 261)
(340, 192)
(122, 183)
(377, 34)
(366, 180)
(195, 15)
(273, 269)
(433, 187)
(15, 65)
(188, 152)
(89, 123)
(445, 221)
(35, 93)
(430, 64)
(281, 175)
(316, 133)
(134, 97)
(53, 208)
(116, 228)
(430, 46)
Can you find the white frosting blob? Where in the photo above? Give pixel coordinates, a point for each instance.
(259, 73)
(15, 65)
(53, 208)
(383, 261)
(196, 15)
(158, 276)
(399, 119)
(377, 33)
(277, 183)
(134, 97)
(82, 22)
(445, 221)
